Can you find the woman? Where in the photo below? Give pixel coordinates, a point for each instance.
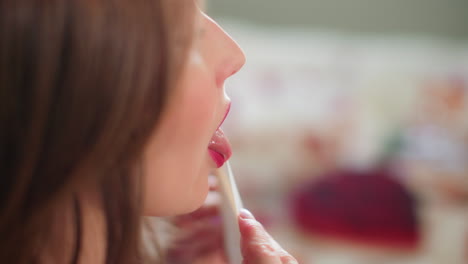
(107, 111)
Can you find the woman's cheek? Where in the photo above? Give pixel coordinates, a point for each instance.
(201, 100)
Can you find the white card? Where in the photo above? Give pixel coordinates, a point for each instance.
(230, 206)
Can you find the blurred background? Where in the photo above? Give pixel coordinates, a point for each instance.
(349, 126)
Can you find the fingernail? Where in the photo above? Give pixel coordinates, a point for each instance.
(246, 214)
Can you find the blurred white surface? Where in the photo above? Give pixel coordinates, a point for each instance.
(353, 93)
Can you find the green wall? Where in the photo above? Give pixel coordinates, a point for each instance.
(440, 18)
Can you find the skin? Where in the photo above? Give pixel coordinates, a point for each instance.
(178, 150)
(176, 161)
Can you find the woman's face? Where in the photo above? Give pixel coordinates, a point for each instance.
(187, 143)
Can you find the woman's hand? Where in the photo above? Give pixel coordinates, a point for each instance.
(200, 239)
(257, 246)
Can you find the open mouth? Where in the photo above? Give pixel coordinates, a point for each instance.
(219, 147)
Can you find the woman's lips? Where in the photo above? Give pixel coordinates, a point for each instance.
(219, 148)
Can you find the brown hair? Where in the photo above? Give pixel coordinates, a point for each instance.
(82, 86)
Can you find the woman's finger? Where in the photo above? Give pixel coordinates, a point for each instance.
(257, 246)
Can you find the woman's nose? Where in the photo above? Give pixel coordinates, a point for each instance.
(231, 56)
(237, 56)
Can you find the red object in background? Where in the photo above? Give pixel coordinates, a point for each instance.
(369, 208)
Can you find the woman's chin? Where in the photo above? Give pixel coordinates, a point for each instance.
(174, 210)
(197, 199)
(179, 206)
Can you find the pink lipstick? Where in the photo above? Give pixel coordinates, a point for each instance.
(219, 147)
